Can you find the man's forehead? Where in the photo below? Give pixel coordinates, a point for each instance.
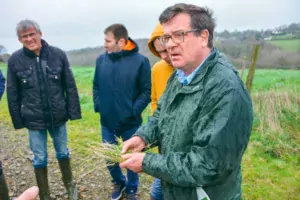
(178, 22)
(109, 35)
(25, 30)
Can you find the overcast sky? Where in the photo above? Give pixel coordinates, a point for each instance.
(74, 24)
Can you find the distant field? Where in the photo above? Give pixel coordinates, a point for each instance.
(289, 45)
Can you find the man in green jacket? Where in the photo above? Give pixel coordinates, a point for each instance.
(203, 120)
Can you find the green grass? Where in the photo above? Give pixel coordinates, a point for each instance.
(280, 80)
(288, 45)
(271, 163)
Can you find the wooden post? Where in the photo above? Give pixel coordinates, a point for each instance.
(251, 72)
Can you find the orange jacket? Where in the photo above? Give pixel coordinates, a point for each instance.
(161, 71)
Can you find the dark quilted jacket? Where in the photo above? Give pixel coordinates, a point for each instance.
(41, 91)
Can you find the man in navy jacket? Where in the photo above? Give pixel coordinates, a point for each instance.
(121, 91)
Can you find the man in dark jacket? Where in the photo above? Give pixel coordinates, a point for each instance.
(121, 90)
(203, 120)
(42, 96)
(3, 184)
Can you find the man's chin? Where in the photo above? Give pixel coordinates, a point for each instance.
(177, 65)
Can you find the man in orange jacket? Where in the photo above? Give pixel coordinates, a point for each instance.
(161, 72)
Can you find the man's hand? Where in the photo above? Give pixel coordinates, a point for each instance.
(29, 194)
(136, 144)
(134, 162)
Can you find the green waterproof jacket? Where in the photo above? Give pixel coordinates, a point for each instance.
(202, 130)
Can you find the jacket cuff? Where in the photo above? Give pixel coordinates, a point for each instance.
(19, 126)
(75, 117)
(146, 164)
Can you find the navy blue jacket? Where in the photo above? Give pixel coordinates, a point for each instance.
(2, 84)
(121, 88)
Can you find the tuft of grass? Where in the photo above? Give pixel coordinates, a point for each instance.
(112, 153)
(278, 113)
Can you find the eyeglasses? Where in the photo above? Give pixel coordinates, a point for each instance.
(177, 37)
(23, 37)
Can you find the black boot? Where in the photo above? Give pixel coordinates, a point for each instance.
(67, 178)
(41, 176)
(3, 188)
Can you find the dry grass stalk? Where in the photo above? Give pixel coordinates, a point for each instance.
(112, 153)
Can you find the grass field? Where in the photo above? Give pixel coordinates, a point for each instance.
(271, 164)
(288, 45)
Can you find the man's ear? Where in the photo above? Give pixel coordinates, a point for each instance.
(204, 35)
(122, 42)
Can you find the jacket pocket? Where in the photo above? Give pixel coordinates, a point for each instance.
(26, 78)
(53, 76)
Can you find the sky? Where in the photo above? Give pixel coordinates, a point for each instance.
(75, 24)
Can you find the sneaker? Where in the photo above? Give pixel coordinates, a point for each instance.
(117, 191)
(131, 196)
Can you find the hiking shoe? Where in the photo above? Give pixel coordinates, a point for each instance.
(117, 191)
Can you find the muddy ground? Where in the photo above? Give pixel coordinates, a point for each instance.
(93, 179)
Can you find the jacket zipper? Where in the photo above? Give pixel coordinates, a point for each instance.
(47, 107)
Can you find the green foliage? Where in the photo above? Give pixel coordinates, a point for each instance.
(272, 161)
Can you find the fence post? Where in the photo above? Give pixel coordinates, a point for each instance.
(251, 72)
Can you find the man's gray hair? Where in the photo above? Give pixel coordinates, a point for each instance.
(26, 24)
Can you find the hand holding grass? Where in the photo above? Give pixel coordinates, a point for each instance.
(133, 161)
(135, 144)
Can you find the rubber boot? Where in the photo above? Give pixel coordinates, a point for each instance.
(67, 178)
(3, 188)
(41, 175)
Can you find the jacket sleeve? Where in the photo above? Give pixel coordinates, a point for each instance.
(2, 84)
(220, 137)
(153, 92)
(14, 97)
(72, 98)
(144, 82)
(96, 88)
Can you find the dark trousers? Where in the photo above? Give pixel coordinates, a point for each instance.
(109, 136)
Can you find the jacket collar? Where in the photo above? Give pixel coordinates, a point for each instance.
(123, 53)
(207, 65)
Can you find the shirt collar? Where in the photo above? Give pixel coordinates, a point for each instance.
(185, 80)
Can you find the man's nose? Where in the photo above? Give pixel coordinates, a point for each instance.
(170, 44)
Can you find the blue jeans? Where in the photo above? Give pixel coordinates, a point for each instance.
(38, 145)
(109, 136)
(156, 191)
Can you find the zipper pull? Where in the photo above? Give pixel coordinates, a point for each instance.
(38, 59)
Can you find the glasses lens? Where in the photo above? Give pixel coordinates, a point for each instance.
(163, 40)
(178, 37)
